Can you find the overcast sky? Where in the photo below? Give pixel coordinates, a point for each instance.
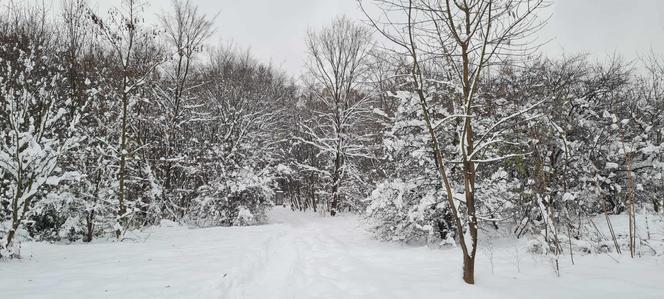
(274, 30)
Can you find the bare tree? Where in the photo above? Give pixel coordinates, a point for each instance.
(34, 125)
(187, 30)
(131, 46)
(336, 65)
(466, 37)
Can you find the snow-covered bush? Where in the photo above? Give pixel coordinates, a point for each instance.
(572, 157)
(240, 199)
(406, 212)
(244, 217)
(36, 129)
(409, 205)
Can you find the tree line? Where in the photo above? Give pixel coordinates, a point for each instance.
(110, 124)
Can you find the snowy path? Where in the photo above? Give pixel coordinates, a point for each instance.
(306, 256)
(333, 258)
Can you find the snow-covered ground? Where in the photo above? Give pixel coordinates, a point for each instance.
(303, 255)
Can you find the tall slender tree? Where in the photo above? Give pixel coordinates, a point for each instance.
(466, 37)
(337, 65)
(186, 31)
(133, 50)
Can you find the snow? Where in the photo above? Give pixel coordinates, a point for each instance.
(244, 216)
(305, 255)
(611, 165)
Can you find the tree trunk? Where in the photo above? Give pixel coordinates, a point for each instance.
(469, 269)
(336, 182)
(10, 237)
(123, 158)
(333, 206)
(16, 218)
(469, 255)
(90, 226)
(631, 210)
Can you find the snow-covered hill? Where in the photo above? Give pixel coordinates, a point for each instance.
(304, 255)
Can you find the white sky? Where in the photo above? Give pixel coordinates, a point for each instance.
(629, 28)
(274, 30)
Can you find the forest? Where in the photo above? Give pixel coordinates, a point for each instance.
(436, 123)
